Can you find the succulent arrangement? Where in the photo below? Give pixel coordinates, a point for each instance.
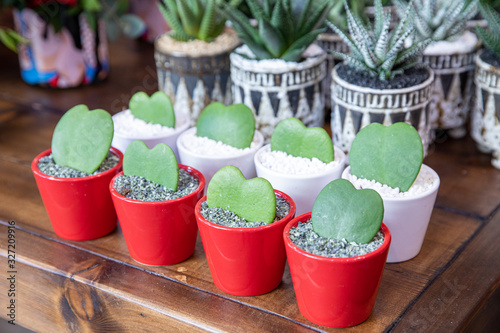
(439, 20)
(377, 50)
(285, 28)
(195, 19)
(490, 36)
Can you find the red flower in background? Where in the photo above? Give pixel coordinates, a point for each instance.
(36, 3)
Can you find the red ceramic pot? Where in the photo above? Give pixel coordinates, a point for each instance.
(78, 208)
(159, 233)
(245, 261)
(335, 292)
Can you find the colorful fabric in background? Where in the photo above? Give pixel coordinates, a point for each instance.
(76, 55)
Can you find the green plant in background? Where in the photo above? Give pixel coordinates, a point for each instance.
(491, 36)
(377, 50)
(119, 21)
(439, 20)
(195, 19)
(285, 28)
(11, 39)
(337, 14)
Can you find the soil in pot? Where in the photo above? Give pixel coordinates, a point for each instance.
(47, 166)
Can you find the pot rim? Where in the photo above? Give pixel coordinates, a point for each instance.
(284, 220)
(366, 90)
(300, 176)
(419, 196)
(368, 256)
(194, 172)
(181, 147)
(484, 65)
(113, 170)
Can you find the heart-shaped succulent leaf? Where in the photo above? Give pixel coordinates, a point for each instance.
(389, 155)
(82, 138)
(233, 125)
(294, 138)
(158, 165)
(157, 109)
(342, 212)
(253, 199)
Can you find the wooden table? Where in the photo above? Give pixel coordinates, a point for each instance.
(95, 286)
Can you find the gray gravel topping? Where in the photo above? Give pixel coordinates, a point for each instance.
(226, 218)
(305, 238)
(47, 166)
(139, 188)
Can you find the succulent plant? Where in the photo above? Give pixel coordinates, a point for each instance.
(377, 50)
(337, 14)
(285, 28)
(440, 19)
(195, 19)
(491, 36)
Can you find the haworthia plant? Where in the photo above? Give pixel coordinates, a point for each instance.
(491, 35)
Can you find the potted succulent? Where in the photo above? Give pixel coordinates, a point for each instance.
(277, 72)
(485, 119)
(192, 59)
(154, 198)
(389, 160)
(450, 55)
(73, 175)
(299, 161)
(241, 224)
(380, 81)
(151, 120)
(224, 135)
(337, 253)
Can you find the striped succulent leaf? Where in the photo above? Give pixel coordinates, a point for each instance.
(490, 36)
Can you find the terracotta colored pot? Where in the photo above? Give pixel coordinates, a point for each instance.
(78, 208)
(245, 261)
(335, 292)
(159, 233)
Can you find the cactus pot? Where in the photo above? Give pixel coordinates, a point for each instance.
(245, 261)
(196, 77)
(485, 124)
(275, 89)
(335, 292)
(159, 233)
(78, 208)
(354, 107)
(303, 188)
(408, 219)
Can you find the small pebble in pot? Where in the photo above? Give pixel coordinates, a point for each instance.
(226, 218)
(139, 188)
(47, 166)
(305, 238)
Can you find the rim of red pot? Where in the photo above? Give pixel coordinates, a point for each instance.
(286, 218)
(190, 170)
(306, 216)
(113, 170)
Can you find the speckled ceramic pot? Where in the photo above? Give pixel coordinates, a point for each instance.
(485, 124)
(354, 107)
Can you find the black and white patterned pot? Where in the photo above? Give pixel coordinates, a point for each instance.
(354, 107)
(275, 89)
(485, 118)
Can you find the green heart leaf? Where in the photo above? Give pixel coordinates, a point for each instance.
(253, 199)
(158, 165)
(342, 212)
(389, 155)
(233, 125)
(82, 138)
(157, 109)
(294, 138)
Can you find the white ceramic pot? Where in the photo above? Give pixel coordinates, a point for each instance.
(122, 138)
(302, 188)
(485, 124)
(407, 218)
(209, 164)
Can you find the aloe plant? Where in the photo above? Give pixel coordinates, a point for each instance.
(440, 19)
(491, 36)
(195, 19)
(285, 28)
(376, 49)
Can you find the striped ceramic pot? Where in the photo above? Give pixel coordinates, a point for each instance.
(354, 107)
(485, 119)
